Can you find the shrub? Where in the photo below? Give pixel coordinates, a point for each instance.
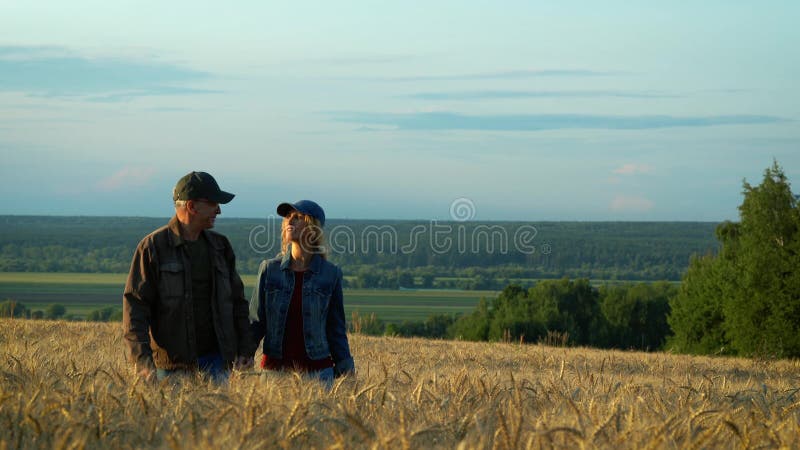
(12, 308)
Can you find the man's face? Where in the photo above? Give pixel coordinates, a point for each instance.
(205, 213)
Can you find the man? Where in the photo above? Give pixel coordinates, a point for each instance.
(183, 308)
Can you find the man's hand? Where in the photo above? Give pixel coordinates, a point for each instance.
(147, 374)
(243, 363)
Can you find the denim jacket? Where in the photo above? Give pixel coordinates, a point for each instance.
(324, 325)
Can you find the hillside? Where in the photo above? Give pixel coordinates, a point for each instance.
(67, 385)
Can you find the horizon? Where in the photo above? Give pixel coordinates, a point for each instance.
(355, 219)
(611, 112)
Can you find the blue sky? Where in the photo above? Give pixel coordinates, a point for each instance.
(394, 110)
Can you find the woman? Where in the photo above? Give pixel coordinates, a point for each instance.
(297, 303)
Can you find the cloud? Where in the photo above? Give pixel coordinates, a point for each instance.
(127, 177)
(539, 122)
(124, 96)
(624, 203)
(631, 169)
(363, 59)
(12, 52)
(56, 71)
(504, 75)
(490, 95)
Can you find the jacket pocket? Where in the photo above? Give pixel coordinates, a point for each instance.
(321, 298)
(170, 284)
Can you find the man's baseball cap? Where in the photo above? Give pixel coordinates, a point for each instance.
(303, 206)
(196, 185)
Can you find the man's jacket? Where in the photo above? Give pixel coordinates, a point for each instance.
(157, 312)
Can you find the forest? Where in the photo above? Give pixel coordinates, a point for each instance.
(388, 254)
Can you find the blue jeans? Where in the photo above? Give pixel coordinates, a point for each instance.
(211, 366)
(325, 376)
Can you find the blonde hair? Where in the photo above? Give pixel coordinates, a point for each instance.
(311, 241)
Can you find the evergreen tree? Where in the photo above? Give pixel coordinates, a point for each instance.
(746, 300)
(763, 315)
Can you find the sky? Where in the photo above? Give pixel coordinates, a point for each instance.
(518, 110)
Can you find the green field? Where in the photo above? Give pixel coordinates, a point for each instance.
(82, 293)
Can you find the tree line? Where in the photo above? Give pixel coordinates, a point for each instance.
(563, 312)
(388, 254)
(11, 308)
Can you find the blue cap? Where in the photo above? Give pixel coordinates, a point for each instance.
(306, 207)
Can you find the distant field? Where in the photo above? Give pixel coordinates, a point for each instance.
(82, 293)
(396, 306)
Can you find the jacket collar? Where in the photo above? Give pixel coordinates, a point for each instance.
(286, 261)
(175, 238)
(175, 232)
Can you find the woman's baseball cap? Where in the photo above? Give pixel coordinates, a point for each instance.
(303, 206)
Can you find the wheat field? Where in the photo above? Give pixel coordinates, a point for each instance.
(67, 385)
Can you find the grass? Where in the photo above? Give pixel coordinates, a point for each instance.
(67, 385)
(396, 306)
(83, 293)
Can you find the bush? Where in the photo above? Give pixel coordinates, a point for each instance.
(103, 314)
(13, 308)
(55, 311)
(370, 325)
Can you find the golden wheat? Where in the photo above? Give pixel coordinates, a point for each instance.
(67, 385)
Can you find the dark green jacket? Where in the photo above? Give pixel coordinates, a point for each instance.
(157, 312)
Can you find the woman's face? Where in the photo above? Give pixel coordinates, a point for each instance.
(295, 224)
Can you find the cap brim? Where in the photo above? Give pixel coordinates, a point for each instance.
(222, 197)
(285, 208)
